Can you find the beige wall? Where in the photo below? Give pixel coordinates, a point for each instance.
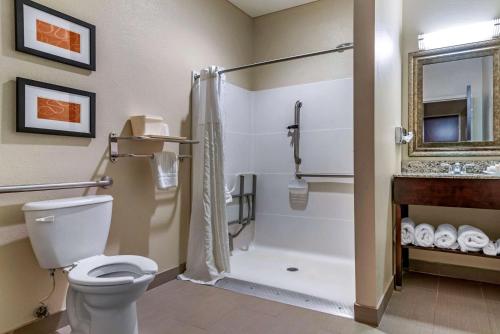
(420, 16)
(145, 52)
(316, 26)
(388, 32)
(377, 105)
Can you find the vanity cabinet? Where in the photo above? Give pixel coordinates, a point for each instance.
(466, 191)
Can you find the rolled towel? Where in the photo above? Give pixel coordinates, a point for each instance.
(407, 231)
(490, 249)
(471, 239)
(424, 235)
(446, 237)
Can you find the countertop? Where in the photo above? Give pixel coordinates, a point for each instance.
(449, 176)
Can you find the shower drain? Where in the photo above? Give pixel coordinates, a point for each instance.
(292, 269)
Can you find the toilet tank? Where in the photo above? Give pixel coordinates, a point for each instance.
(63, 231)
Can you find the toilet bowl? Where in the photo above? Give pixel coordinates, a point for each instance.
(71, 234)
(103, 291)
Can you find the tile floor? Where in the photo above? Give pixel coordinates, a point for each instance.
(432, 305)
(427, 304)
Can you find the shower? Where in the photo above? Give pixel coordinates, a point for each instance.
(280, 250)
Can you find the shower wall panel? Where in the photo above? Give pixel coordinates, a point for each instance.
(257, 141)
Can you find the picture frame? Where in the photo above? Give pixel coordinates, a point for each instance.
(47, 33)
(54, 110)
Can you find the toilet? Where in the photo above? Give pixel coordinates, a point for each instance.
(71, 234)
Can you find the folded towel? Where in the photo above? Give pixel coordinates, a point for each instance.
(407, 231)
(497, 245)
(228, 194)
(446, 237)
(471, 239)
(490, 249)
(165, 166)
(424, 235)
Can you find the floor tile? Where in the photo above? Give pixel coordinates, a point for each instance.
(458, 314)
(426, 305)
(417, 280)
(491, 292)
(458, 287)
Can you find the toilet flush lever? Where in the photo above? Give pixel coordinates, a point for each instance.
(48, 219)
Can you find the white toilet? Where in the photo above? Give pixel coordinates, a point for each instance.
(71, 233)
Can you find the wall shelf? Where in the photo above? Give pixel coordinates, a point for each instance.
(480, 254)
(114, 151)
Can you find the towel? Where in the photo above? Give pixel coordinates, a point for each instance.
(165, 166)
(497, 245)
(407, 231)
(471, 239)
(446, 237)
(424, 235)
(490, 249)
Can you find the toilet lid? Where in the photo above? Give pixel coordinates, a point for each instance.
(104, 270)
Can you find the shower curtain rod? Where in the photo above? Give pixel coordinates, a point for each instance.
(340, 48)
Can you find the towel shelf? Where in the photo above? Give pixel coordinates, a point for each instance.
(114, 152)
(452, 251)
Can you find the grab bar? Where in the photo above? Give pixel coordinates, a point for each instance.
(104, 182)
(336, 175)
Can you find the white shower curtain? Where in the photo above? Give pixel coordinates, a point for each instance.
(208, 248)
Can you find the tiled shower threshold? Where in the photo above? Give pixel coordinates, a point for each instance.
(287, 297)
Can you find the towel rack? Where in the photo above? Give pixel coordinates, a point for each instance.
(114, 152)
(104, 182)
(335, 175)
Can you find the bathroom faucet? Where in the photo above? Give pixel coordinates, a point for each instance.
(457, 168)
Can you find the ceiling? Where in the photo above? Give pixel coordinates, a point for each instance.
(256, 8)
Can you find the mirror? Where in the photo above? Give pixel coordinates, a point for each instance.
(454, 100)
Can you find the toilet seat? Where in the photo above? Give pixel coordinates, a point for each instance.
(104, 270)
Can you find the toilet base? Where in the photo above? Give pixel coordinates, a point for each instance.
(84, 319)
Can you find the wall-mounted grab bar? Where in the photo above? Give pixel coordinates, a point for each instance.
(104, 182)
(333, 175)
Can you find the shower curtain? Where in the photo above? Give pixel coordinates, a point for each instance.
(208, 247)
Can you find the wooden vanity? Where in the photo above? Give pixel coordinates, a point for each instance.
(466, 191)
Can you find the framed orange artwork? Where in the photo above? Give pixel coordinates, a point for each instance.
(56, 110)
(47, 33)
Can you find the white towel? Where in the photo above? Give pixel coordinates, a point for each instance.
(446, 237)
(497, 245)
(407, 231)
(424, 235)
(471, 239)
(165, 166)
(490, 249)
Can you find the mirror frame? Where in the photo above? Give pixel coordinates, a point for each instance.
(416, 61)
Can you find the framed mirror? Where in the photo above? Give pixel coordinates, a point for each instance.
(454, 100)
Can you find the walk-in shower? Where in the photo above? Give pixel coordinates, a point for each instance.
(274, 137)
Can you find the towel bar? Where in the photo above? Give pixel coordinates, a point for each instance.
(114, 152)
(336, 175)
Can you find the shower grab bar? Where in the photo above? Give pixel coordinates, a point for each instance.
(104, 182)
(334, 175)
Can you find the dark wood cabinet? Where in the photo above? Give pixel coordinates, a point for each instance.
(451, 191)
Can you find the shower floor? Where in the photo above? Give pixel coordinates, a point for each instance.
(328, 279)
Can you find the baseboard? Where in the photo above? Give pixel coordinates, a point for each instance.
(59, 320)
(373, 315)
(455, 271)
